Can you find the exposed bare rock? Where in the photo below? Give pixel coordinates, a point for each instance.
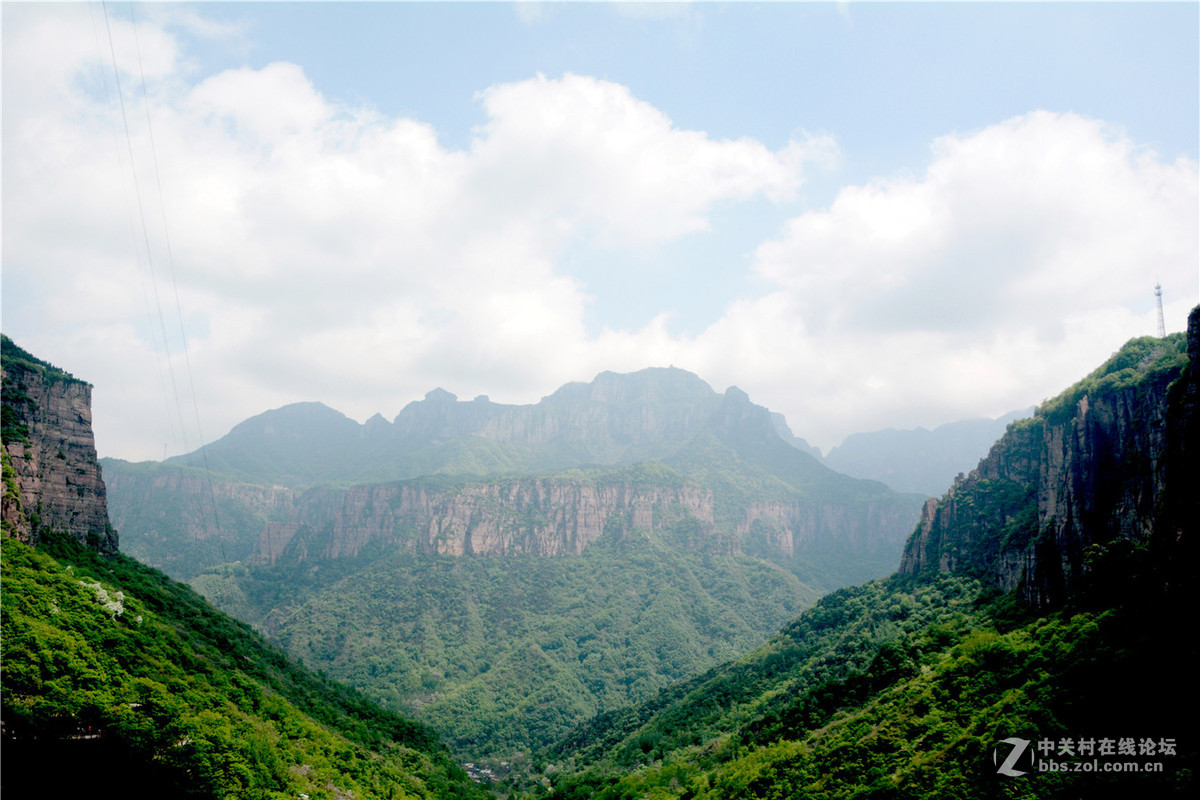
(543, 517)
(1107, 466)
(49, 447)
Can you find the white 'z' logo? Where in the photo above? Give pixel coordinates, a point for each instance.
(1018, 747)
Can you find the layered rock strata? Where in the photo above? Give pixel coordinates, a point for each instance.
(1111, 461)
(50, 450)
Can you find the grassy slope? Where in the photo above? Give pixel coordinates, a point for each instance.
(902, 689)
(905, 687)
(507, 654)
(186, 701)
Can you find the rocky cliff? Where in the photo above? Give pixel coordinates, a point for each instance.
(656, 451)
(1100, 476)
(182, 520)
(167, 518)
(52, 478)
(543, 517)
(561, 516)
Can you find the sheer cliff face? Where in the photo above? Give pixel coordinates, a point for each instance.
(555, 517)
(48, 443)
(532, 517)
(656, 452)
(1110, 464)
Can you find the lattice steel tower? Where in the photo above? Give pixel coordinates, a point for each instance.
(1162, 328)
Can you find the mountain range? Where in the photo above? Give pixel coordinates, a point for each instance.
(1033, 643)
(616, 419)
(919, 459)
(681, 512)
(117, 680)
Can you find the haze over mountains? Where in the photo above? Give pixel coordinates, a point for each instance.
(920, 460)
(617, 536)
(590, 633)
(750, 490)
(615, 419)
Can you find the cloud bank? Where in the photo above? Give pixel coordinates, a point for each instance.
(317, 251)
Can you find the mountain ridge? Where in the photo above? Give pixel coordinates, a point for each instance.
(919, 459)
(116, 676)
(617, 418)
(749, 486)
(1081, 485)
(921, 684)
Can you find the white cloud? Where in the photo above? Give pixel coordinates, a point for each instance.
(585, 153)
(273, 104)
(331, 253)
(1024, 255)
(324, 252)
(1026, 220)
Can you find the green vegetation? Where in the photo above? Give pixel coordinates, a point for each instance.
(1137, 361)
(504, 655)
(112, 664)
(901, 689)
(15, 403)
(14, 355)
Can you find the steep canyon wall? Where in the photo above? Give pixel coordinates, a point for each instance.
(52, 477)
(1110, 464)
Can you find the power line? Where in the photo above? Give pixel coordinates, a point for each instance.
(187, 359)
(178, 405)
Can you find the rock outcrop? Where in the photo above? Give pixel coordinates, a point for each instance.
(542, 517)
(52, 477)
(560, 516)
(182, 520)
(656, 451)
(1105, 469)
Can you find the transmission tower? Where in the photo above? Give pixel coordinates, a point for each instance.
(1162, 328)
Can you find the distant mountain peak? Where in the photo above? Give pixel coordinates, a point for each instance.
(293, 416)
(616, 419)
(920, 459)
(735, 395)
(663, 384)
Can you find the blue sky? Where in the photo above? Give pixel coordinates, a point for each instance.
(865, 215)
(917, 70)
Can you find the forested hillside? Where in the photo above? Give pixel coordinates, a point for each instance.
(908, 689)
(133, 682)
(963, 678)
(121, 682)
(504, 655)
(305, 466)
(667, 528)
